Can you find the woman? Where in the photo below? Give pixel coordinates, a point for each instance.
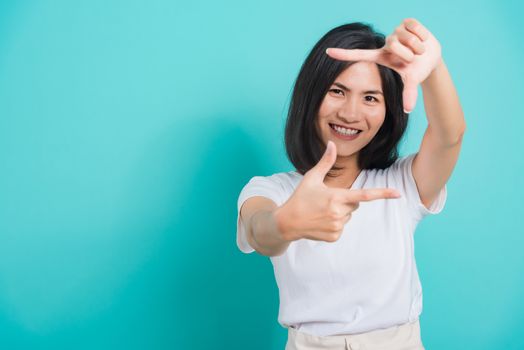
(339, 230)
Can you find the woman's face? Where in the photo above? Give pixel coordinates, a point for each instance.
(354, 104)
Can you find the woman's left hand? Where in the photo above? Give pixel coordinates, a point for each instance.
(411, 50)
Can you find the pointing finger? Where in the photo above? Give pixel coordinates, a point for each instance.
(401, 51)
(366, 195)
(354, 54)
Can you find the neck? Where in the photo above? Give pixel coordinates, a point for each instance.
(345, 177)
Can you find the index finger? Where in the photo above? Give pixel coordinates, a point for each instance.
(366, 195)
(353, 54)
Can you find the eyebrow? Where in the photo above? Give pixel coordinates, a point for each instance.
(375, 92)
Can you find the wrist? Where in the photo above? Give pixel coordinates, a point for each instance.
(283, 229)
(439, 69)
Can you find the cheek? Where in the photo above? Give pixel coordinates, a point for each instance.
(322, 128)
(323, 110)
(322, 115)
(378, 117)
(329, 105)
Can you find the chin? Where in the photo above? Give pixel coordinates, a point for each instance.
(346, 154)
(344, 150)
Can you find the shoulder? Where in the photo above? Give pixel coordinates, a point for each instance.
(396, 172)
(283, 179)
(399, 166)
(277, 186)
(400, 176)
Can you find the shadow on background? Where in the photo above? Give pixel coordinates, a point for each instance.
(196, 290)
(158, 268)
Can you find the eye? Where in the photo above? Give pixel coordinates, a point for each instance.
(373, 99)
(336, 91)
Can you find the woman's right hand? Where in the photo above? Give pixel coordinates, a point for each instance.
(318, 212)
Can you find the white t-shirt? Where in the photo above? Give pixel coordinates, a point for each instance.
(366, 280)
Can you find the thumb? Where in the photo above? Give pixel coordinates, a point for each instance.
(409, 96)
(319, 171)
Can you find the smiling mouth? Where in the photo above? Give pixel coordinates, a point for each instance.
(343, 130)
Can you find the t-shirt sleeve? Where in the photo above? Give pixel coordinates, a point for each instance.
(408, 187)
(265, 186)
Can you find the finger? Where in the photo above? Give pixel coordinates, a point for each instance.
(319, 171)
(395, 47)
(345, 208)
(412, 41)
(409, 95)
(354, 54)
(350, 207)
(366, 195)
(315, 238)
(347, 217)
(416, 28)
(392, 61)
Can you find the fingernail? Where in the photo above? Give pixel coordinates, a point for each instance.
(327, 51)
(406, 111)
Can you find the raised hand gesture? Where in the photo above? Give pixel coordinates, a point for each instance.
(318, 212)
(411, 50)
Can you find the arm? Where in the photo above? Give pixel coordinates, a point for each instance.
(413, 52)
(314, 211)
(442, 141)
(263, 227)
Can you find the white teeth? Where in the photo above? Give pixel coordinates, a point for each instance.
(344, 130)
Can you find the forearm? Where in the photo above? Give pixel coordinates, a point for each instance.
(442, 105)
(265, 233)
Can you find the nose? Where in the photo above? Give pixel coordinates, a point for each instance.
(349, 111)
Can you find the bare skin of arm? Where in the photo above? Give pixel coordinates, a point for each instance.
(262, 227)
(440, 147)
(413, 52)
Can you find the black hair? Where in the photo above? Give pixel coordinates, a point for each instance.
(304, 145)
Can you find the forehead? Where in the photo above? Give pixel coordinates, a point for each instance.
(360, 76)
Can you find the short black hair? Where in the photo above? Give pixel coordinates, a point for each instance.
(304, 145)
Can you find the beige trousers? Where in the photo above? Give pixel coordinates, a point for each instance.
(403, 337)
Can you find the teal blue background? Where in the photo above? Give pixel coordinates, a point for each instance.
(128, 128)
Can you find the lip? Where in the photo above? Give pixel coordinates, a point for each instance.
(345, 126)
(344, 137)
